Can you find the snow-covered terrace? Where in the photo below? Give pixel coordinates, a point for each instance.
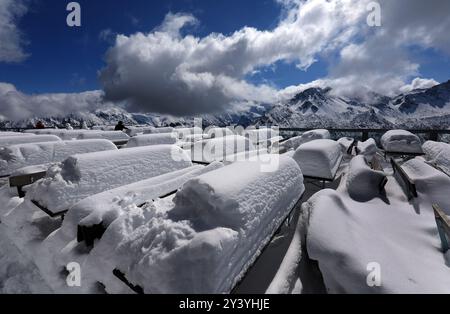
(216, 219)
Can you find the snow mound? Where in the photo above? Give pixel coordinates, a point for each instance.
(368, 148)
(152, 139)
(18, 156)
(438, 154)
(158, 130)
(80, 176)
(68, 135)
(2, 133)
(312, 135)
(294, 142)
(380, 246)
(319, 158)
(401, 141)
(257, 136)
(346, 143)
(219, 132)
(107, 206)
(219, 222)
(363, 183)
(217, 149)
(135, 130)
(114, 136)
(184, 132)
(14, 140)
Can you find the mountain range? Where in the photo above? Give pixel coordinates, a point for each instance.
(311, 108)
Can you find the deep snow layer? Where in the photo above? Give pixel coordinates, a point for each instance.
(438, 153)
(152, 139)
(401, 141)
(319, 158)
(17, 156)
(350, 238)
(80, 176)
(15, 140)
(205, 241)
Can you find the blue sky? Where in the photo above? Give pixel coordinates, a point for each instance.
(198, 56)
(71, 57)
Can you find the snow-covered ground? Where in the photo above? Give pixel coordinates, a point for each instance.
(173, 227)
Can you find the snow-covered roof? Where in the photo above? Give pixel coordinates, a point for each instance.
(80, 176)
(17, 156)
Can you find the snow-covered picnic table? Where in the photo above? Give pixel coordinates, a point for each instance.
(350, 238)
(17, 156)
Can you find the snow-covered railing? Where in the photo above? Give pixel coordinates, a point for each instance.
(432, 134)
(404, 180)
(443, 224)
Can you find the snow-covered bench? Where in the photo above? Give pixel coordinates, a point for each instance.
(15, 140)
(80, 176)
(404, 180)
(443, 224)
(135, 130)
(152, 139)
(159, 130)
(363, 182)
(207, 240)
(92, 216)
(438, 155)
(117, 137)
(368, 148)
(217, 149)
(218, 132)
(319, 159)
(13, 134)
(402, 143)
(347, 144)
(294, 142)
(19, 156)
(184, 132)
(351, 239)
(262, 135)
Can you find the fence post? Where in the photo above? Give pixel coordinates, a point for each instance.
(365, 136)
(434, 136)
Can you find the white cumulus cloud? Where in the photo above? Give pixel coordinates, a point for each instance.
(11, 39)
